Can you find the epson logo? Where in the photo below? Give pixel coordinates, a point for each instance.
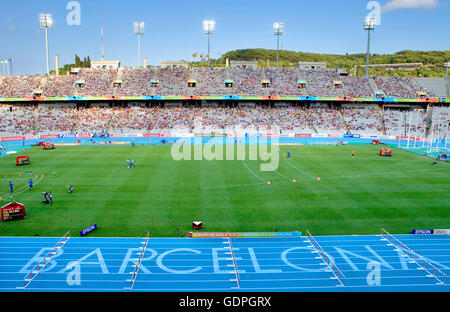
(422, 232)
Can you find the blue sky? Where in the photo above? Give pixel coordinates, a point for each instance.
(173, 28)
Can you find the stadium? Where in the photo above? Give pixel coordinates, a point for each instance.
(234, 178)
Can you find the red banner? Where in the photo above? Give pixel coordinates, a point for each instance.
(268, 135)
(16, 138)
(86, 135)
(303, 135)
(151, 135)
(115, 135)
(334, 135)
(49, 136)
(29, 137)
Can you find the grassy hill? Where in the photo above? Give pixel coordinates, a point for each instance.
(432, 61)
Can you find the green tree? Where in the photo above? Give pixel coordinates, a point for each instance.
(78, 61)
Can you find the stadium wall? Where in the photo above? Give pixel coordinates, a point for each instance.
(223, 98)
(232, 138)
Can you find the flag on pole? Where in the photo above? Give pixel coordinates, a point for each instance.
(201, 55)
(195, 55)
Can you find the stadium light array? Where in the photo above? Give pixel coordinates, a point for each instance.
(139, 31)
(369, 24)
(208, 29)
(46, 23)
(278, 30)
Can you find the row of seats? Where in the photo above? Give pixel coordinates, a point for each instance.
(321, 119)
(208, 82)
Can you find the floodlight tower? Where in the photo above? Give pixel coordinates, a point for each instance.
(208, 29)
(447, 84)
(369, 24)
(278, 30)
(139, 31)
(46, 22)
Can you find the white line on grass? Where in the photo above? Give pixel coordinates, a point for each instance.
(23, 188)
(299, 170)
(251, 171)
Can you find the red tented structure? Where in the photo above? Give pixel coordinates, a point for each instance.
(385, 152)
(22, 160)
(49, 146)
(197, 225)
(13, 211)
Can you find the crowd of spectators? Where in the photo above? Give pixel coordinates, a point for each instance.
(95, 82)
(284, 81)
(209, 82)
(399, 87)
(325, 120)
(362, 120)
(17, 120)
(397, 122)
(19, 86)
(101, 118)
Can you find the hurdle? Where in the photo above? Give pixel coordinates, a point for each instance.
(238, 280)
(422, 262)
(34, 272)
(338, 274)
(137, 266)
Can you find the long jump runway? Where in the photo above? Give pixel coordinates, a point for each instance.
(291, 264)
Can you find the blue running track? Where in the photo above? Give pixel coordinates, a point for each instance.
(368, 263)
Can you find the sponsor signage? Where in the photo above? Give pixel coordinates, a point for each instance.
(151, 135)
(88, 230)
(268, 135)
(49, 136)
(67, 135)
(431, 231)
(12, 138)
(29, 137)
(303, 135)
(357, 136)
(245, 234)
(422, 232)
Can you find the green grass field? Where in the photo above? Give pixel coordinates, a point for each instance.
(163, 196)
